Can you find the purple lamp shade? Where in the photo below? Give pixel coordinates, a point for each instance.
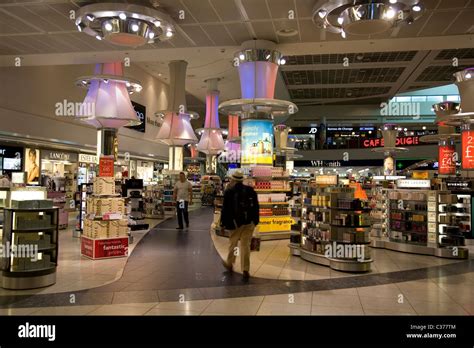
(257, 79)
(211, 142)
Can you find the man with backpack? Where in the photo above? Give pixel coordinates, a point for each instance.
(240, 215)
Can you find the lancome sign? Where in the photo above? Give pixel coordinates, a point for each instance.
(59, 156)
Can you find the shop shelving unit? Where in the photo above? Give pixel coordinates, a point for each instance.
(153, 201)
(424, 221)
(27, 271)
(378, 213)
(84, 191)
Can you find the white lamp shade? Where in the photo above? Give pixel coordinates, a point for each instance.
(176, 130)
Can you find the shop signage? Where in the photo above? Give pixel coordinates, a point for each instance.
(409, 183)
(459, 184)
(340, 163)
(104, 248)
(388, 177)
(468, 149)
(326, 179)
(141, 114)
(257, 142)
(340, 129)
(86, 158)
(421, 175)
(11, 157)
(106, 167)
(446, 159)
(272, 224)
(59, 156)
(304, 130)
(403, 141)
(158, 166)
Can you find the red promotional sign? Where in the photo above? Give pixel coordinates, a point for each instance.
(468, 149)
(106, 166)
(404, 141)
(446, 160)
(104, 248)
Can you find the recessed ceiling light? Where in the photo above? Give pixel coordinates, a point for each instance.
(287, 32)
(424, 127)
(106, 81)
(135, 27)
(468, 75)
(343, 34)
(79, 27)
(322, 13)
(169, 33)
(90, 17)
(123, 16)
(98, 37)
(340, 20)
(393, 1)
(405, 129)
(416, 8)
(242, 56)
(282, 61)
(157, 23)
(134, 15)
(108, 27)
(151, 35)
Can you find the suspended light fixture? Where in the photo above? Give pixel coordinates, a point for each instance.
(365, 17)
(124, 24)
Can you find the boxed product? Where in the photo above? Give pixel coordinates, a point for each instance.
(103, 206)
(117, 205)
(104, 186)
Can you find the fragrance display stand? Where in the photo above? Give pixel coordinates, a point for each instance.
(422, 221)
(153, 201)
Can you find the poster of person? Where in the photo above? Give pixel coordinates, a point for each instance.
(389, 166)
(32, 166)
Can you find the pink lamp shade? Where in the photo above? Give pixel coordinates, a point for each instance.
(107, 103)
(233, 127)
(211, 142)
(194, 151)
(176, 130)
(257, 79)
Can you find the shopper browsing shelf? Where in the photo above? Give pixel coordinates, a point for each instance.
(239, 215)
(183, 196)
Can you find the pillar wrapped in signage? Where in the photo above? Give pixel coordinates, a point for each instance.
(389, 133)
(447, 158)
(257, 62)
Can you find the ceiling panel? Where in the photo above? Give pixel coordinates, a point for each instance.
(304, 8)
(201, 10)
(439, 73)
(264, 30)
(172, 7)
(179, 40)
(308, 31)
(27, 17)
(219, 35)
(453, 4)
(8, 24)
(411, 30)
(239, 32)
(464, 53)
(197, 35)
(256, 9)
(330, 93)
(462, 24)
(53, 17)
(438, 22)
(280, 8)
(227, 10)
(431, 4)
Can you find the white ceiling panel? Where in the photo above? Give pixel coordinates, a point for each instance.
(256, 9)
(239, 32)
(264, 30)
(197, 35)
(227, 10)
(280, 8)
(438, 22)
(201, 10)
(219, 35)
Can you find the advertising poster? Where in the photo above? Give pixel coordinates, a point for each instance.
(257, 142)
(468, 149)
(389, 166)
(32, 167)
(11, 158)
(446, 160)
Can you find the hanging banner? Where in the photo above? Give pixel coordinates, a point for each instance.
(257, 142)
(446, 162)
(468, 149)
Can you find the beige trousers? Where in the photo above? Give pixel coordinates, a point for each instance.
(244, 233)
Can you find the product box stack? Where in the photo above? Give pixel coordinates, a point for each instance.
(105, 232)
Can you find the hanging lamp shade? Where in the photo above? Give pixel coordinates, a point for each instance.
(211, 142)
(107, 103)
(233, 138)
(176, 129)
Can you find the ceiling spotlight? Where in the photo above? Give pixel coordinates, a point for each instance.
(468, 76)
(128, 84)
(106, 81)
(108, 27)
(157, 23)
(134, 15)
(405, 129)
(79, 27)
(340, 20)
(282, 61)
(370, 132)
(90, 17)
(416, 8)
(343, 34)
(267, 56)
(393, 1)
(135, 27)
(98, 37)
(84, 82)
(322, 13)
(390, 13)
(169, 33)
(242, 56)
(122, 16)
(424, 127)
(151, 35)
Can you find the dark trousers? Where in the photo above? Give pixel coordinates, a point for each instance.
(182, 210)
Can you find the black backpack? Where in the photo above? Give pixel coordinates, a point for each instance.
(244, 206)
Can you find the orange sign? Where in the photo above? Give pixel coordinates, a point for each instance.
(468, 149)
(106, 166)
(446, 160)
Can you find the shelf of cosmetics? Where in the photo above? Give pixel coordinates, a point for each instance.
(41, 241)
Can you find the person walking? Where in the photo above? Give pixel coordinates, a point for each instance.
(240, 215)
(183, 196)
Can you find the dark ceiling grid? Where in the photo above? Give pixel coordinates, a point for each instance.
(442, 73)
(462, 53)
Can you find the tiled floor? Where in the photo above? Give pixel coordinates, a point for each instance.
(136, 291)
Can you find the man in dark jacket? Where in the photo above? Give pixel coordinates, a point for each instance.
(240, 215)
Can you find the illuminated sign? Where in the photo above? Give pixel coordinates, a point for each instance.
(257, 142)
(446, 159)
(468, 149)
(405, 141)
(407, 183)
(86, 158)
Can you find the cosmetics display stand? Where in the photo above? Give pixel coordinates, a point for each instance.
(153, 202)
